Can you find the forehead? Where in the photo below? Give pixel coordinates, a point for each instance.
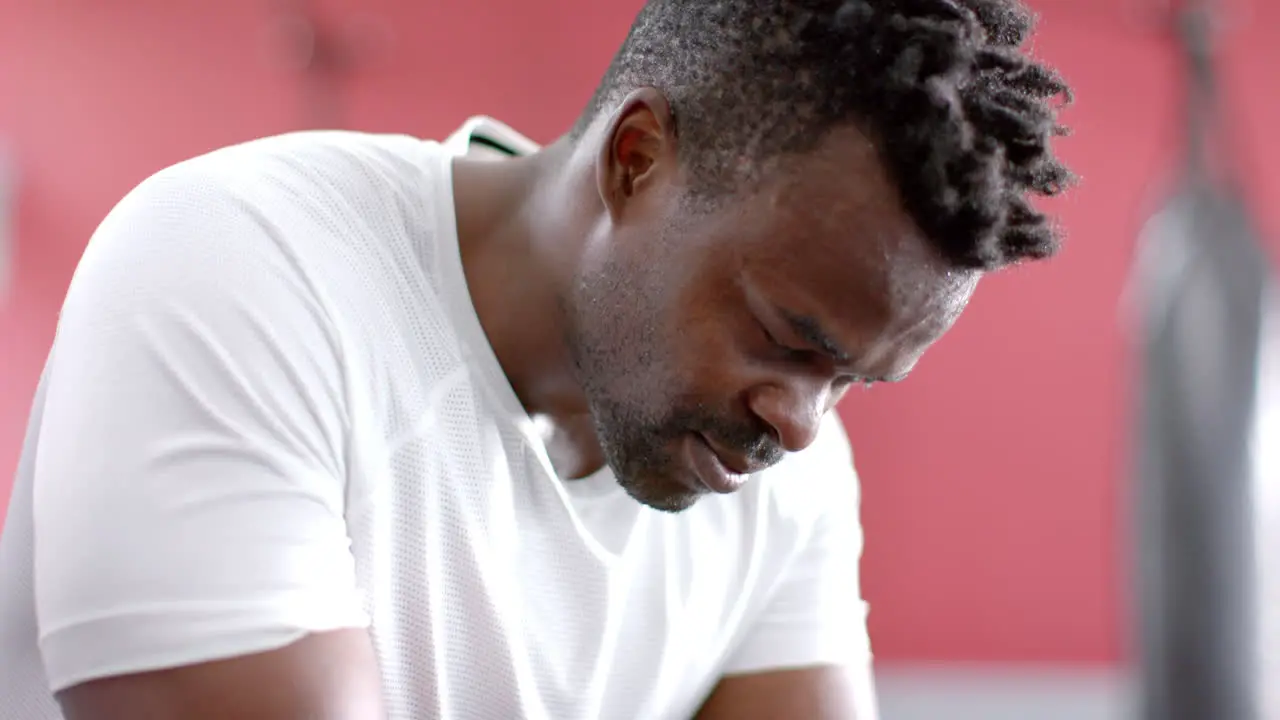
(825, 234)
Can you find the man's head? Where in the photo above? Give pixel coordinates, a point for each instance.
(797, 196)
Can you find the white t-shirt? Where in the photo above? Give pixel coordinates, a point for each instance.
(270, 410)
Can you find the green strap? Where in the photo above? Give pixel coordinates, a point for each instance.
(493, 144)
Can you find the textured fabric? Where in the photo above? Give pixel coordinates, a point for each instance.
(270, 410)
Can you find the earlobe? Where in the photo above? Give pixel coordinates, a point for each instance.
(638, 143)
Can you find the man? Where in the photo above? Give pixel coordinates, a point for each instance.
(349, 426)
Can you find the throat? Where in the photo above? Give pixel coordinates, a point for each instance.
(572, 445)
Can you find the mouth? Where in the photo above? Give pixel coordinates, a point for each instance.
(732, 462)
(711, 469)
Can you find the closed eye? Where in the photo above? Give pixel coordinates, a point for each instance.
(791, 353)
(808, 357)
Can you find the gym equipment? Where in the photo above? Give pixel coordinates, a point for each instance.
(1204, 291)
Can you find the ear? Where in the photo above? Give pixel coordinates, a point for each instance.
(638, 148)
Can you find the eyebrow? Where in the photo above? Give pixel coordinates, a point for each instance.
(808, 329)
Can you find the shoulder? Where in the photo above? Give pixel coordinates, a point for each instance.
(268, 179)
(309, 167)
(328, 147)
(319, 206)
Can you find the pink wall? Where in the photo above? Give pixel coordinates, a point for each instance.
(993, 480)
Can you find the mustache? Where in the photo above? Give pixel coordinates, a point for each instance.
(750, 439)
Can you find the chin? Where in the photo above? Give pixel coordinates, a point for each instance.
(663, 495)
(670, 503)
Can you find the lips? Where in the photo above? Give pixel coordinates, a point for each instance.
(712, 472)
(733, 463)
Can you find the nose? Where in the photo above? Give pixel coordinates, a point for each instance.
(794, 410)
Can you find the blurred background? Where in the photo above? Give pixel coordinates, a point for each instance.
(996, 484)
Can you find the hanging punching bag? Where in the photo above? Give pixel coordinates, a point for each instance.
(1203, 287)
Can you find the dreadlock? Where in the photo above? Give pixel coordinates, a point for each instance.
(961, 117)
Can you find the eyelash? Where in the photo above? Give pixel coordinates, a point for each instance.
(805, 357)
(793, 354)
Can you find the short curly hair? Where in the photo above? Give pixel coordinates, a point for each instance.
(961, 117)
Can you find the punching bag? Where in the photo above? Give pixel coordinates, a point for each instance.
(1205, 295)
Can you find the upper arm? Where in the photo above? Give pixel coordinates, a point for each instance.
(327, 676)
(808, 648)
(817, 693)
(189, 479)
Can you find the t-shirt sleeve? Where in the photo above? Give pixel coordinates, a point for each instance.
(815, 614)
(189, 479)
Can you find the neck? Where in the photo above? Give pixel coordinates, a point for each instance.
(520, 232)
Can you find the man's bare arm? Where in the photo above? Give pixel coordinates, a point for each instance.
(325, 676)
(822, 693)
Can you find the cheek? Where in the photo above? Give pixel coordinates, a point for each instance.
(699, 315)
(708, 348)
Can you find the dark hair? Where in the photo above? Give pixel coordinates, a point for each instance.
(961, 117)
